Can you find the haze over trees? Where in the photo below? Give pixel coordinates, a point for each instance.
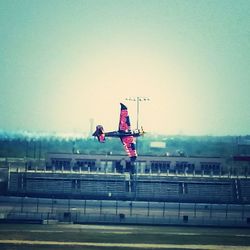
(35, 145)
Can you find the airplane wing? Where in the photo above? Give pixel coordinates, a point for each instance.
(129, 146)
(124, 123)
(129, 140)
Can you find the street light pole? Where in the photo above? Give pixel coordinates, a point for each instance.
(138, 109)
(138, 99)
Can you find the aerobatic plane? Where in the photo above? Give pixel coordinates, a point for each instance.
(124, 132)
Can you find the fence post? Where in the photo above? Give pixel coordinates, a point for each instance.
(179, 210)
(21, 204)
(84, 211)
(52, 206)
(195, 208)
(130, 208)
(116, 207)
(243, 212)
(100, 207)
(210, 211)
(37, 204)
(164, 207)
(226, 210)
(148, 207)
(68, 205)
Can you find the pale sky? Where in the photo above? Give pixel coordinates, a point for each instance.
(65, 62)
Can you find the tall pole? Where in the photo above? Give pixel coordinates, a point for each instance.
(137, 111)
(40, 149)
(138, 99)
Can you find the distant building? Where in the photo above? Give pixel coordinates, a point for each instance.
(157, 144)
(143, 164)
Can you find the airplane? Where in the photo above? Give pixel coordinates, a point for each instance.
(124, 132)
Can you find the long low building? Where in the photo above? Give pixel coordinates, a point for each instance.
(143, 164)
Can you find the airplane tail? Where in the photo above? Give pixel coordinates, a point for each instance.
(99, 133)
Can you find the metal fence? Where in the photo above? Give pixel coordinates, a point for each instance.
(43, 210)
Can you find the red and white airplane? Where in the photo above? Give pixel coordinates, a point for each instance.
(124, 132)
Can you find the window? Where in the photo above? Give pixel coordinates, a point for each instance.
(160, 166)
(85, 165)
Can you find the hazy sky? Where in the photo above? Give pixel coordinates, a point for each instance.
(65, 62)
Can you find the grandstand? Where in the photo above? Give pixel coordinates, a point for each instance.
(168, 179)
(67, 184)
(245, 190)
(189, 189)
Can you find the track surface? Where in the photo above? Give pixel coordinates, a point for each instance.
(62, 236)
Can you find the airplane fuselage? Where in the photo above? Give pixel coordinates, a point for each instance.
(134, 133)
